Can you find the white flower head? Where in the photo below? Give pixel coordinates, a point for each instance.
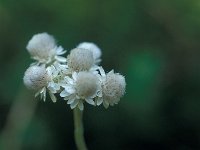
(86, 84)
(113, 88)
(83, 86)
(42, 47)
(80, 59)
(93, 48)
(35, 77)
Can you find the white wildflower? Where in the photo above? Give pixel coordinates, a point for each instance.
(42, 47)
(93, 48)
(80, 60)
(36, 78)
(83, 86)
(113, 88)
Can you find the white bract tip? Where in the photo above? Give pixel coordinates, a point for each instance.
(86, 84)
(80, 59)
(35, 77)
(113, 88)
(42, 47)
(93, 48)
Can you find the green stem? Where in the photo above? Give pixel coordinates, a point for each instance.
(78, 130)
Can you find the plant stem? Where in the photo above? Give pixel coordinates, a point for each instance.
(78, 130)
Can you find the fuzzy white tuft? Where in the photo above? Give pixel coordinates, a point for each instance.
(42, 47)
(113, 88)
(93, 48)
(80, 59)
(86, 84)
(35, 77)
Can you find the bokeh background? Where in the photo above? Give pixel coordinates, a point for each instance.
(154, 43)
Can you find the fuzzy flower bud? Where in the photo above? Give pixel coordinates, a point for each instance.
(86, 84)
(113, 88)
(92, 47)
(35, 77)
(42, 47)
(80, 59)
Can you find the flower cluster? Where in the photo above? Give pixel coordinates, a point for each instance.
(78, 78)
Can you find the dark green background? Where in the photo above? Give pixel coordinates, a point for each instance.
(154, 43)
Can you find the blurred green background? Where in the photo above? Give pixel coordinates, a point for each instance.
(154, 43)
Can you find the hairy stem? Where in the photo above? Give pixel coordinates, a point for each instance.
(78, 130)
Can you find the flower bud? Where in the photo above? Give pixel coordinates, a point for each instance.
(92, 47)
(35, 77)
(86, 84)
(80, 59)
(42, 47)
(113, 88)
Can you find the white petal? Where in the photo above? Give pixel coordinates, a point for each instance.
(111, 72)
(68, 88)
(63, 67)
(99, 93)
(74, 104)
(44, 94)
(80, 106)
(52, 96)
(102, 72)
(97, 61)
(95, 72)
(74, 76)
(62, 83)
(59, 50)
(94, 68)
(70, 101)
(52, 89)
(36, 94)
(99, 101)
(90, 101)
(64, 93)
(61, 59)
(42, 90)
(105, 104)
(52, 69)
(48, 69)
(69, 80)
(57, 86)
